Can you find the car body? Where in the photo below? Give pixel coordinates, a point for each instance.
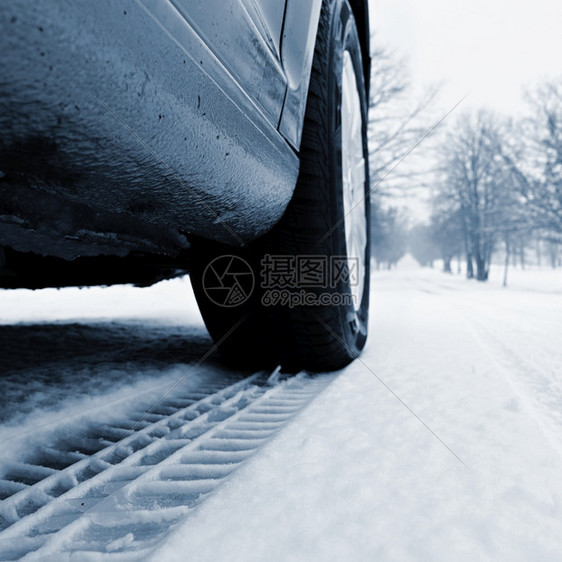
(131, 128)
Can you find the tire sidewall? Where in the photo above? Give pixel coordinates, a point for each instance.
(317, 338)
(345, 38)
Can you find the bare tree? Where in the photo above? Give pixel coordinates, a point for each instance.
(389, 235)
(447, 232)
(476, 185)
(398, 123)
(422, 245)
(553, 248)
(534, 157)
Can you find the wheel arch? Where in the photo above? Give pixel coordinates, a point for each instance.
(265, 328)
(300, 27)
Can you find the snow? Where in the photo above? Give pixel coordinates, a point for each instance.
(70, 348)
(442, 442)
(120, 302)
(358, 477)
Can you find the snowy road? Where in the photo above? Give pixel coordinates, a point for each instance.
(443, 442)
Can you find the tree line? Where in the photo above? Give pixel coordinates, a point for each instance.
(497, 185)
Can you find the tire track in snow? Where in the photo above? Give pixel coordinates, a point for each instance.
(521, 374)
(539, 392)
(118, 488)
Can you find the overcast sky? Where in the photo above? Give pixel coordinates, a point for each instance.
(490, 49)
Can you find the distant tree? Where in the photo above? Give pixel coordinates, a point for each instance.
(398, 124)
(422, 246)
(476, 185)
(389, 236)
(447, 234)
(553, 247)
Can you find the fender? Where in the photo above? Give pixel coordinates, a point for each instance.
(297, 50)
(140, 137)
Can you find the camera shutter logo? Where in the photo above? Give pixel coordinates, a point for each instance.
(228, 281)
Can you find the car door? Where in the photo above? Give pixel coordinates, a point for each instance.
(244, 35)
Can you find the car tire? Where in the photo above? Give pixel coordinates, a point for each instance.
(327, 222)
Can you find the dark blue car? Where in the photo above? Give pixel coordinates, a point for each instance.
(143, 139)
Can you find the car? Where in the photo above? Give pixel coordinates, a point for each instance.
(146, 139)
